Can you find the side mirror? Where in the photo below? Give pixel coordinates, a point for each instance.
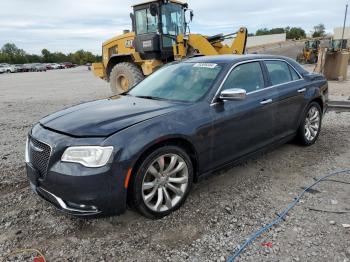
(233, 94)
(153, 10)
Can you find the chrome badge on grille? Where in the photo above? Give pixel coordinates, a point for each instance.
(35, 148)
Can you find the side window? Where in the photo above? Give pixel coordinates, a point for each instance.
(247, 76)
(279, 72)
(141, 21)
(294, 74)
(145, 22)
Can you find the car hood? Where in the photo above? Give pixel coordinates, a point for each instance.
(104, 117)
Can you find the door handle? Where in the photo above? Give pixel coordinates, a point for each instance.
(302, 90)
(266, 101)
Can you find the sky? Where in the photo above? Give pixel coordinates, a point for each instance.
(69, 25)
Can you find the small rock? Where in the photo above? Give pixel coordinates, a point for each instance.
(222, 259)
(347, 252)
(346, 225)
(18, 232)
(334, 202)
(332, 222)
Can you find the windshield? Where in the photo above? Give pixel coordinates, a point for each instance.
(182, 82)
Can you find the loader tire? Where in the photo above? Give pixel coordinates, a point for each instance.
(123, 76)
(313, 59)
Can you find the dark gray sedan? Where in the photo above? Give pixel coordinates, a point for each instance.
(147, 146)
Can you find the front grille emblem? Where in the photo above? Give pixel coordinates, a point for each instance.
(37, 149)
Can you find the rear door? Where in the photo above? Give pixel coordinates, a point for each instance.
(290, 98)
(243, 126)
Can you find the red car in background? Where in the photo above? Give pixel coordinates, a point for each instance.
(68, 65)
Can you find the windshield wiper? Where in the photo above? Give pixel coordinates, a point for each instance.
(151, 97)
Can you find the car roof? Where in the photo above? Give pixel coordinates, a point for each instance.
(232, 59)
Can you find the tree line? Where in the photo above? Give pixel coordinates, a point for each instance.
(11, 54)
(293, 32)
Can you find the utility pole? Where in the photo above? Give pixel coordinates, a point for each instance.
(342, 37)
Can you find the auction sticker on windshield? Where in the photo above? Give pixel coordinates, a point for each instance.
(205, 65)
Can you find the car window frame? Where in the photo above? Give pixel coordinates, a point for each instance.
(268, 85)
(290, 67)
(265, 80)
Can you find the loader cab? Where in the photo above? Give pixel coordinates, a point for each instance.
(312, 44)
(156, 26)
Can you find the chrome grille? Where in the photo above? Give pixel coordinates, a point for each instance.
(39, 155)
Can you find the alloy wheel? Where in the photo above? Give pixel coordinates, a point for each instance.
(312, 124)
(165, 182)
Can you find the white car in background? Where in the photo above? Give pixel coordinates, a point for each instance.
(56, 66)
(6, 68)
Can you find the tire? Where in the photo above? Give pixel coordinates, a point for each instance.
(310, 127)
(141, 189)
(123, 76)
(313, 59)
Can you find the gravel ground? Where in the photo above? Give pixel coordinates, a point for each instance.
(220, 213)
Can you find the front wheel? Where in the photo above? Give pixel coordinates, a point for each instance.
(310, 127)
(123, 76)
(162, 182)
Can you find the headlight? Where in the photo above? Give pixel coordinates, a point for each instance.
(89, 156)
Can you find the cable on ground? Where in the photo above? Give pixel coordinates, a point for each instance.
(281, 216)
(27, 250)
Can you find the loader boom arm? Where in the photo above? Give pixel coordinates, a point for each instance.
(203, 45)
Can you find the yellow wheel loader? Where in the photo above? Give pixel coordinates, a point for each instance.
(309, 54)
(160, 34)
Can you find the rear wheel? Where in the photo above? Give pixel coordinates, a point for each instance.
(162, 182)
(310, 127)
(123, 76)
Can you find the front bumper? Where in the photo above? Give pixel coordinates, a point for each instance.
(60, 204)
(73, 188)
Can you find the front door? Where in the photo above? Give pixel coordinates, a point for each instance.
(243, 126)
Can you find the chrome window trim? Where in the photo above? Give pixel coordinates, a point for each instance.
(263, 89)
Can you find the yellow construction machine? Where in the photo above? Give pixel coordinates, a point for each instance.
(309, 54)
(160, 34)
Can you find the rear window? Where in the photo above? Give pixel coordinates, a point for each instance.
(279, 72)
(294, 74)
